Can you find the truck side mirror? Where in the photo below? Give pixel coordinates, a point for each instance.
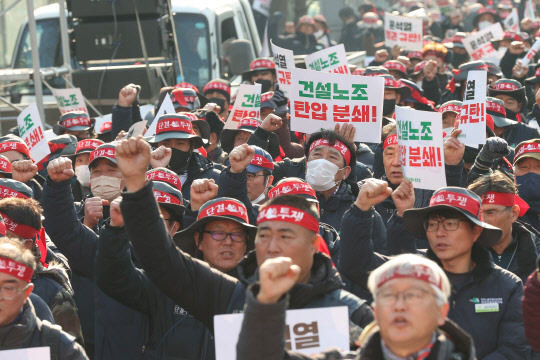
(240, 56)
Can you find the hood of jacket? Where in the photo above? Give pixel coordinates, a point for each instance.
(18, 335)
(324, 279)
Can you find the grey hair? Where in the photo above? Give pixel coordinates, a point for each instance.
(403, 264)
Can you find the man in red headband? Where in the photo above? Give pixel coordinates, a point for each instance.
(518, 246)
(19, 325)
(287, 226)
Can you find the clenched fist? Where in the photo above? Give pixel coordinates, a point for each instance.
(23, 170)
(60, 169)
(160, 157)
(271, 123)
(128, 94)
(373, 192)
(240, 157)
(202, 190)
(133, 157)
(403, 196)
(93, 211)
(117, 219)
(277, 276)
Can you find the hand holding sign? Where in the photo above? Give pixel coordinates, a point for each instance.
(202, 190)
(60, 169)
(23, 170)
(277, 276)
(160, 157)
(373, 192)
(453, 148)
(240, 157)
(403, 197)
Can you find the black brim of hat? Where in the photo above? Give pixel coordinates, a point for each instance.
(532, 80)
(519, 95)
(216, 125)
(197, 140)
(185, 239)
(414, 222)
(496, 72)
(113, 160)
(176, 209)
(500, 121)
(246, 75)
(73, 156)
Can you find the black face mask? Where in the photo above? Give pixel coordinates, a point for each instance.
(219, 102)
(389, 107)
(266, 85)
(511, 114)
(179, 160)
(459, 59)
(470, 154)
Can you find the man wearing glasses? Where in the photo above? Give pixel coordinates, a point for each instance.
(19, 325)
(517, 249)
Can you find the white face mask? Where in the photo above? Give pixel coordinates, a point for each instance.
(83, 175)
(484, 24)
(321, 174)
(263, 194)
(318, 33)
(106, 187)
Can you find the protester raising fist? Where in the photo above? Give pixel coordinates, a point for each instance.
(202, 190)
(133, 156)
(373, 192)
(277, 276)
(240, 157)
(60, 169)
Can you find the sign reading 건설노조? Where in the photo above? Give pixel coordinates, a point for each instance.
(69, 100)
(247, 104)
(32, 133)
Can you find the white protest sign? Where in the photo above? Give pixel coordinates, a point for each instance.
(262, 6)
(406, 32)
(321, 100)
(332, 59)
(478, 44)
(32, 133)
(100, 121)
(308, 331)
(420, 142)
(247, 104)
(531, 54)
(36, 353)
(69, 100)
(472, 119)
(166, 107)
(284, 60)
(530, 10)
(512, 21)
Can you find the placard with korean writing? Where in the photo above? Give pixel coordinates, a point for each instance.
(32, 133)
(308, 331)
(166, 107)
(332, 59)
(420, 143)
(247, 104)
(472, 119)
(322, 100)
(36, 353)
(284, 60)
(478, 44)
(406, 32)
(512, 21)
(69, 100)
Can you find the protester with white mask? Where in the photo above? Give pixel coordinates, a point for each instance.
(80, 160)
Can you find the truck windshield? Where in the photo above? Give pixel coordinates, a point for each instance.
(194, 44)
(48, 39)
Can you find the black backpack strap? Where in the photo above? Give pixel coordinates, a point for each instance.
(50, 336)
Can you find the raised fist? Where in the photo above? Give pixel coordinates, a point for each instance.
(403, 196)
(60, 169)
(128, 94)
(23, 170)
(271, 123)
(93, 211)
(381, 55)
(117, 220)
(160, 157)
(240, 157)
(277, 276)
(133, 158)
(373, 192)
(202, 190)
(430, 70)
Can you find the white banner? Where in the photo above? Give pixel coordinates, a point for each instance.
(332, 59)
(246, 104)
(31, 131)
(69, 100)
(478, 44)
(531, 54)
(308, 331)
(284, 60)
(420, 142)
(512, 21)
(321, 100)
(166, 107)
(472, 119)
(36, 353)
(403, 31)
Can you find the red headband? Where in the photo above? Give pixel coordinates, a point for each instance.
(292, 188)
(76, 121)
(106, 126)
(395, 65)
(259, 160)
(108, 152)
(527, 148)
(15, 145)
(179, 97)
(288, 214)
(186, 85)
(506, 86)
(6, 192)
(496, 107)
(338, 145)
(248, 122)
(455, 199)
(505, 199)
(415, 271)
(511, 35)
(22, 230)
(390, 140)
(537, 73)
(262, 64)
(163, 197)
(388, 82)
(450, 107)
(216, 86)
(174, 124)
(163, 176)
(88, 144)
(225, 208)
(16, 269)
(5, 165)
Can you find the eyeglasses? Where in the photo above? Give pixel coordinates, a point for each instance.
(448, 224)
(410, 297)
(236, 236)
(10, 292)
(251, 177)
(492, 213)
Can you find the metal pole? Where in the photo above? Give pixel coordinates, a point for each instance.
(175, 39)
(64, 39)
(35, 58)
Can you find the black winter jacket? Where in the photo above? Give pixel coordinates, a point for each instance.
(199, 167)
(205, 292)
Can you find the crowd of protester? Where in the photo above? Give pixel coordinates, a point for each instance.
(126, 247)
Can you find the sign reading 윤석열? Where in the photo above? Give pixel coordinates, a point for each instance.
(406, 32)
